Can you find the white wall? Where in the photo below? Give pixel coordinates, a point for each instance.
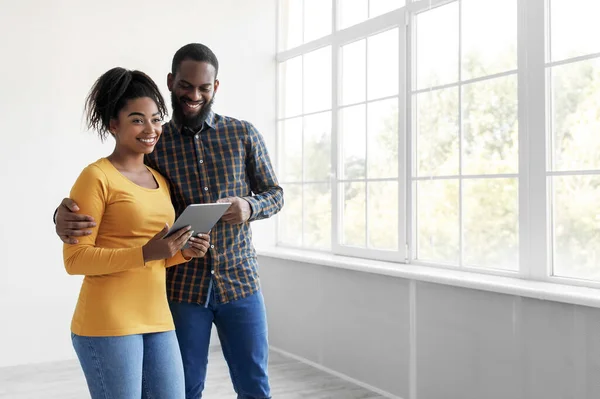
(418, 340)
(52, 51)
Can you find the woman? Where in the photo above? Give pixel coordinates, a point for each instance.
(122, 329)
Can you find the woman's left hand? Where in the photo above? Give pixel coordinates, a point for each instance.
(198, 246)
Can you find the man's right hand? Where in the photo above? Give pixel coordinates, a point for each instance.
(69, 224)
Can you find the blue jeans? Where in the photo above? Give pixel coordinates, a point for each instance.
(242, 328)
(146, 366)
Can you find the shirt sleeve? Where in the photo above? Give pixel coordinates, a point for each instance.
(90, 192)
(177, 259)
(268, 195)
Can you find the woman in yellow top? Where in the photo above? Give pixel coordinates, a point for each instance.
(122, 329)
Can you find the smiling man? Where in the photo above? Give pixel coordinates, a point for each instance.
(211, 158)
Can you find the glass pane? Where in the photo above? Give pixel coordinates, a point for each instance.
(353, 137)
(382, 139)
(490, 223)
(317, 80)
(383, 215)
(437, 221)
(437, 133)
(437, 46)
(290, 24)
(290, 150)
(317, 19)
(382, 67)
(317, 216)
(489, 37)
(354, 214)
(354, 74)
(378, 7)
(317, 147)
(576, 227)
(490, 126)
(290, 217)
(352, 12)
(290, 88)
(575, 28)
(575, 115)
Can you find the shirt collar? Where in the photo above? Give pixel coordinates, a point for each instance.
(209, 122)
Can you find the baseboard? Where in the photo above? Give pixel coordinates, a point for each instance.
(334, 373)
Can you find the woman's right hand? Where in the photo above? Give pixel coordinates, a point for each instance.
(163, 248)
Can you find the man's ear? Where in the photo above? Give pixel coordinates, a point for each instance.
(170, 81)
(216, 86)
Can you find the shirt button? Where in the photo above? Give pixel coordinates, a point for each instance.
(212, 272)
(196, 137)
(205, 188)
(212, 246)
(201, 161)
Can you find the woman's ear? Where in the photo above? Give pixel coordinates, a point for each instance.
(113, 126)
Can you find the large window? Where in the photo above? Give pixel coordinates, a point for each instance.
(455, 133)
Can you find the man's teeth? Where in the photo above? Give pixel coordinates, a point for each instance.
(193, 105)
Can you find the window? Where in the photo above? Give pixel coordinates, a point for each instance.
(573, 68)
(465, 134)
(304, 148)
(302, 21)
(368, 137)
(352, 12)
(453, 133)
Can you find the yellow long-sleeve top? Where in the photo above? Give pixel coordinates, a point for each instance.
(120, 294)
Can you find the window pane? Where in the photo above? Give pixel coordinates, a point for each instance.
(290, 88)
(352, 12)
(382, 64)
(290, 150)
(576, 209)
(354, 214)
(354, 74)
(437, 46)
(383, 215)
(490, 126)
(437, 133)
(575, 28)
(317, 19)
(382, 139)
(353, 137)
(378, 7)
(317, 216)
(489, 37)
(317, 147)
(290, 217)
(290, 24)
(317, 80)
(437, 221)
(575, 115)
(490, 222)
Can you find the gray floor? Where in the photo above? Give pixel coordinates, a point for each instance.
(290, 379)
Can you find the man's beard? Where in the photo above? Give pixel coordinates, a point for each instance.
(191, 122)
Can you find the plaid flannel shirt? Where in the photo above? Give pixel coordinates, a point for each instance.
(226, 158)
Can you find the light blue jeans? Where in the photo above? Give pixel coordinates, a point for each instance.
(142, 366)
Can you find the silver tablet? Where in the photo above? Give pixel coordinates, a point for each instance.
(202, 217)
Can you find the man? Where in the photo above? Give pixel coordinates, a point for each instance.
(211, 158)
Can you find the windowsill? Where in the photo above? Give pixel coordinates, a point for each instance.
(570, 294)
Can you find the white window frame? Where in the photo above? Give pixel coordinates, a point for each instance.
(534, 121)
(339, 38)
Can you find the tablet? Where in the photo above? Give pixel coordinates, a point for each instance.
(202, 217)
